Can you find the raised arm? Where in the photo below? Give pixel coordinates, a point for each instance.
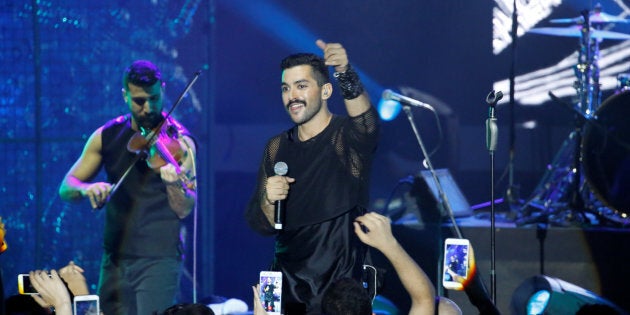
(355, 98)
(379, 235)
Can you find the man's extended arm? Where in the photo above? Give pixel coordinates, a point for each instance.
(379, 235)
(355, 98)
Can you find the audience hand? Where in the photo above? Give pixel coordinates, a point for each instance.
(378, 233)
(52, 291)
(73, 276)
(258, 308)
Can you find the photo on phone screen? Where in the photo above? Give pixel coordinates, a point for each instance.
(86, 305)
(271, 291)
(24, 285)
(455, 262)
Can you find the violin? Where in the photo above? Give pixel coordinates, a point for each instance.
(160, 146)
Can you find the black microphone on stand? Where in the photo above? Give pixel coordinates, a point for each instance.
(281, 169)
(492, 131)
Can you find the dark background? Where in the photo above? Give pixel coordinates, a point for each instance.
(62, 63)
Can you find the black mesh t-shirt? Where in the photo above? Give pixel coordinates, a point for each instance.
(317, 244)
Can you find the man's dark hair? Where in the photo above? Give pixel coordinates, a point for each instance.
(188, 309)
(320, 69)
(142, 73)
(346, 297)
(23, 305)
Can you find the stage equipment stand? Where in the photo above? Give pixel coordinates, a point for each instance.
(492, 133)
(443, 203)
(561, 196)
(512, 196)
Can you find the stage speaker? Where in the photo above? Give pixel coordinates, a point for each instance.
(426, 193)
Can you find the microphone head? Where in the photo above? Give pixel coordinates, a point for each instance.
(387, 94)
(281, 168)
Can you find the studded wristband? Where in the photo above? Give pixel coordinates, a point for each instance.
(349, 83)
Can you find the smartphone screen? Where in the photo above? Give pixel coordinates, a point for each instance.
(24, 285)
(271, 291)
(86, 305)
(455, 263)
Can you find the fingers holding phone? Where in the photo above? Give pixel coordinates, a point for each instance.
(456, 263)
(51, 289)
(270, 292)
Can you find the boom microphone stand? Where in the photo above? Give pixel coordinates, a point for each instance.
(443, 202)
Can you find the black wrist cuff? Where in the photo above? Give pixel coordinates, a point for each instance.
(349, 83)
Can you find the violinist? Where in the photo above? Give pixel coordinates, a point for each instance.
(149, 161)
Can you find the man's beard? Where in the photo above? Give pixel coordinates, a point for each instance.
(149, 121)
(310, 110)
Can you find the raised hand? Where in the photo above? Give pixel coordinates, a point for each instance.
(52, 291)
(334, 55)
(73, 276)
(375, 230)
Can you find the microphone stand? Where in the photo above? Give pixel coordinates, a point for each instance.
(443, 202)
(512, 190)
(492, 132)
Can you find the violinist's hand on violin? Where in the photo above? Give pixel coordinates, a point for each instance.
(98, 193)
(169, 174)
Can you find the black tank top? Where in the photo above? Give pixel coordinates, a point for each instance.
(139, 221)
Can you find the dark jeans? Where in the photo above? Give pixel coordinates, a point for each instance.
(141, 286)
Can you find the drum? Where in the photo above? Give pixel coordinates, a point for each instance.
(606, 153)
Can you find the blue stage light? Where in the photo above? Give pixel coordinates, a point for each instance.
(388, 109)
(538, 302)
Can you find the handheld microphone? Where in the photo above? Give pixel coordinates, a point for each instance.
(391, 95)
(281, 169)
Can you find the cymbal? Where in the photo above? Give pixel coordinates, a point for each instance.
(577, 32)
(595, 17)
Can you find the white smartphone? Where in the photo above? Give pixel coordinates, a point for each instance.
(271, 291)
(24, 285)
(456, 262)
(86, 305)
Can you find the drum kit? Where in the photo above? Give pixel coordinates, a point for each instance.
(588, 181)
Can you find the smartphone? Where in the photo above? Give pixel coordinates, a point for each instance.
(455, 263)
(86, 305)
(24, 285)
(271, 291)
